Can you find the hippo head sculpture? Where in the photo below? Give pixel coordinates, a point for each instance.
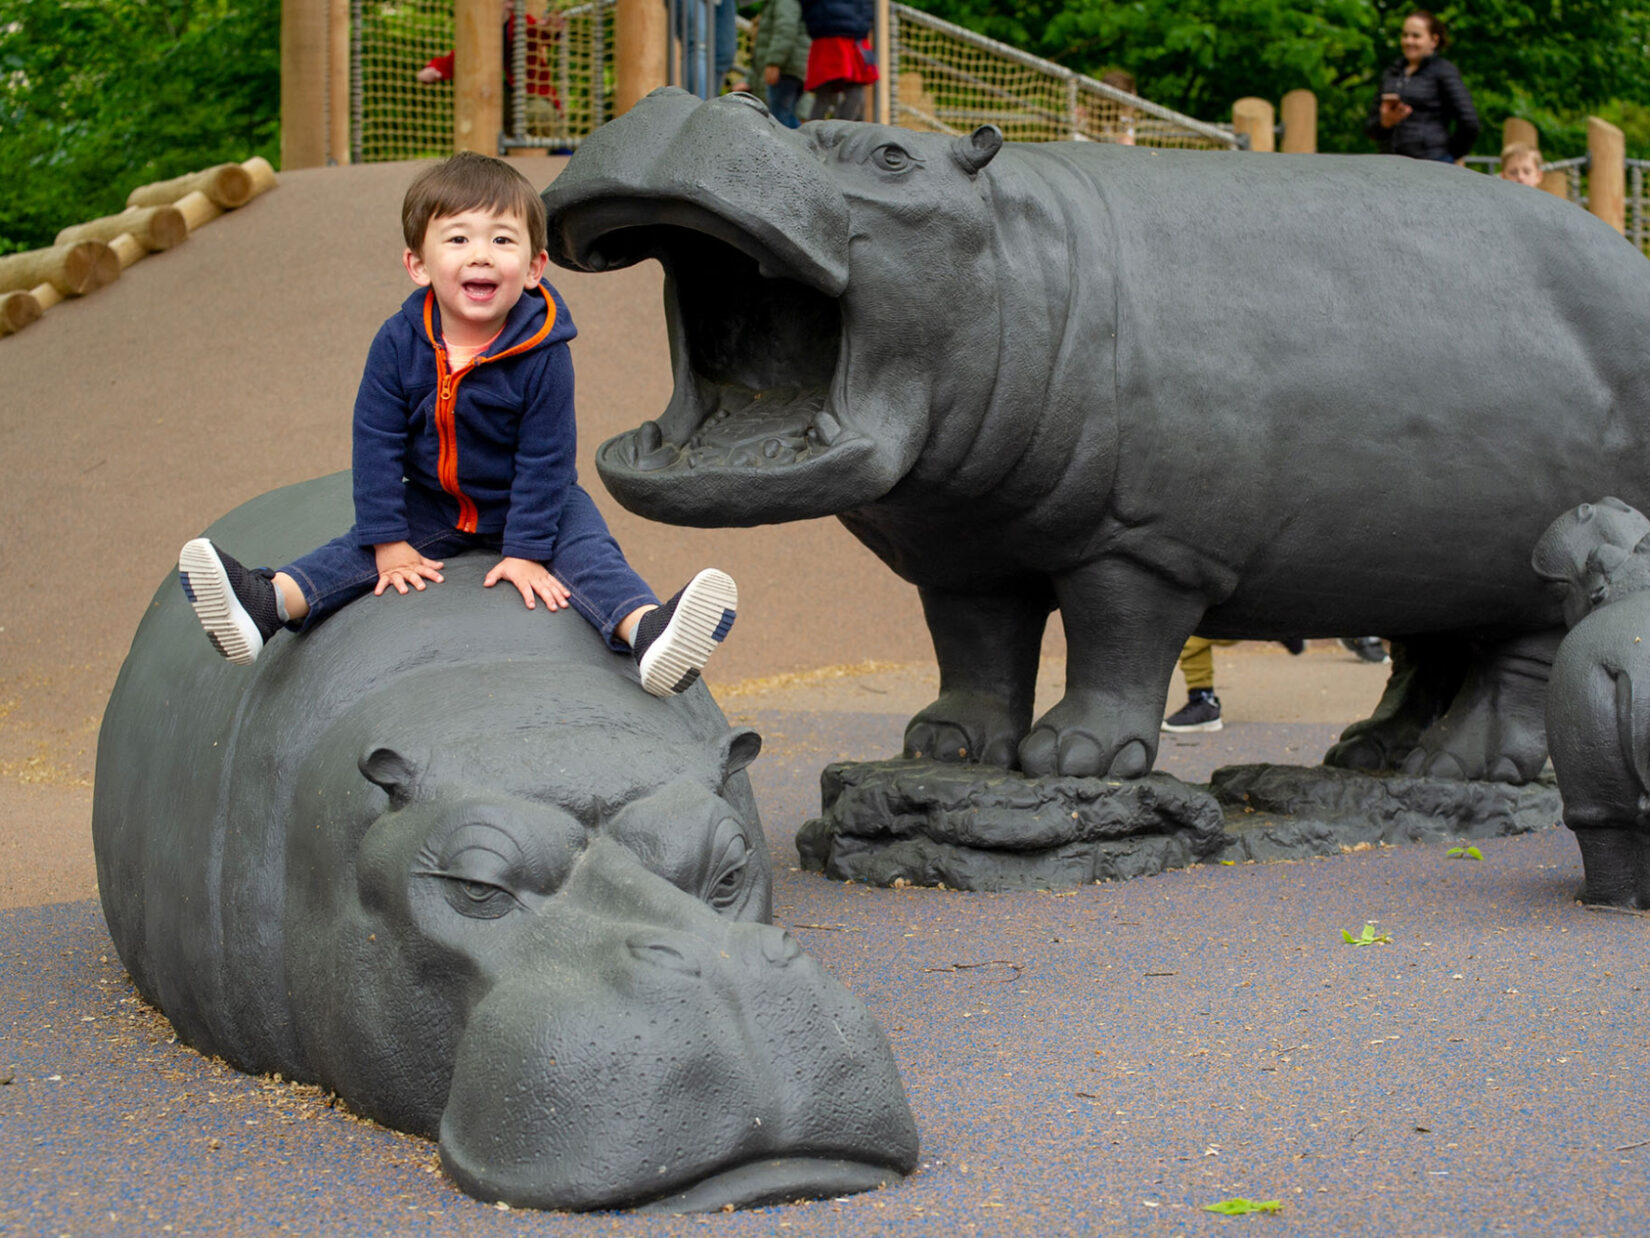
(789, 401)
(443, 856)
(1594, 554)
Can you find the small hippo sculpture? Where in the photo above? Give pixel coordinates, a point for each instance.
(1598, 698)
(1165, 392)
(444, 856)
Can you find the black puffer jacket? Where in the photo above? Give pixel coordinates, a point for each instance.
(838, 19)
(1439, 96)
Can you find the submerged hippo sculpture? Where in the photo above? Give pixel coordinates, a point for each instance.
(443, 856)
(1598, 698)
(1165, 392)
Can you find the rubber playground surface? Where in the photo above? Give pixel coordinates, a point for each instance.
(1111, 1059)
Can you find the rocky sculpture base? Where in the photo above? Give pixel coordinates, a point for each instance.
(967, 828)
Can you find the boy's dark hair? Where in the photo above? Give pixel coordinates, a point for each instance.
(469, 182)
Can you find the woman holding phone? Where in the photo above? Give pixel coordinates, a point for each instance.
(1423, 108)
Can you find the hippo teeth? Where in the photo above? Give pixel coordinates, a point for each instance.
(826, 429)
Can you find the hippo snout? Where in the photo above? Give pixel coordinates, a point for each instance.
(691, 1062)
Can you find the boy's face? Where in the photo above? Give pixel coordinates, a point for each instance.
(1524, 169)
(479, 263)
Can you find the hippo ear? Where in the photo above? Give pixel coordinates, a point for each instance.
(978, 148)
(387, 768)
(738, 749)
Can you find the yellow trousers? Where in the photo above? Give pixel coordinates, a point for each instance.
(1197, 662)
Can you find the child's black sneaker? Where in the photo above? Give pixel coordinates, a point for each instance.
(1200, 713)
(674, 641)
(235, 606)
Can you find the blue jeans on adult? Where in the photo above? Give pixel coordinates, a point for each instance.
(707, 26)
(782, 97)
(601, 586)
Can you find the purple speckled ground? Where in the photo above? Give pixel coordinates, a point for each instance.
(1106, 1060)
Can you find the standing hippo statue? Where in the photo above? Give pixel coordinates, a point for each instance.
(1598, 699)
(1164, 392)
(444, 856)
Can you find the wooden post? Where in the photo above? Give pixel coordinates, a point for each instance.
(1256, 118)
(1300, 123)
(1607, 173)
(228, 185)
(1515, 129)
(17, 310)
(1557, 184)
(70, 269)
(303, 83)
(338, 67)
(883, 93)
(478, 76)
(641, 38)
(153, 227)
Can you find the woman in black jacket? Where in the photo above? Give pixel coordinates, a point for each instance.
(1423, 109)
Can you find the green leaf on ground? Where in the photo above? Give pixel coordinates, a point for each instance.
(1366, 938)
(1243, 1207)
(1464, 852)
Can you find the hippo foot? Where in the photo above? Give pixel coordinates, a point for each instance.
(1074, 740)
(1361, 752)
(1482, 746)
(1616, 866)
(966, 727)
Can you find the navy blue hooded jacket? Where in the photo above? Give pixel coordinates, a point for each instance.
(493, 446)
(840, 19)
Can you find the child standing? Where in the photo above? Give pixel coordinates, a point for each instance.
(464, 439)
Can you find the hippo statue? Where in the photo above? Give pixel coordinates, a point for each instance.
(444, 856)
(1165, 392)
(1598, 698)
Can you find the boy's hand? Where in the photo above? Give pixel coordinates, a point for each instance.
(532, 578)
(400, 565)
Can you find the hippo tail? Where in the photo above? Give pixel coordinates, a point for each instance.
(1633, 750)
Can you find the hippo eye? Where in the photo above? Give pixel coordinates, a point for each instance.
(478, 900)
(892, 158)
(728, 883)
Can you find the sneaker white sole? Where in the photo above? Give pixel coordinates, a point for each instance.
(206, 585)
(703, 616)
(1195, 726)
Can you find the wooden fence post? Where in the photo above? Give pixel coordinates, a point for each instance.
(641, 50)
(1607, 173)
(1515, 129)
(1256, 118)
(338, 67)
(303, 83)
(478, 76)
(1300, 123)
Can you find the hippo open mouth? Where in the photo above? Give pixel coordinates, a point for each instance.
(772, 417)
(755, 354)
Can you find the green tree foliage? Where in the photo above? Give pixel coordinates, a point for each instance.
(100, 96)
(1552, 62)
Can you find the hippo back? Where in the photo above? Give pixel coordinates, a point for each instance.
(199, 760)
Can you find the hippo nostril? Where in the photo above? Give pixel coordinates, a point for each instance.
(661, 955)
(780, 949)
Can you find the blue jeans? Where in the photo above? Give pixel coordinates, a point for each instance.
(602, 587)
(782, 97)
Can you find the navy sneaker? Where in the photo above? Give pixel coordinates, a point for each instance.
(673, 642)
(1200, 713)
(1369, 648)
(235, 605)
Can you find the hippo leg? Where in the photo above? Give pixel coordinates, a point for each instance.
(1496, 728)
(1426, 676)
(1124, 628)
(1613, 866)
(987, 645)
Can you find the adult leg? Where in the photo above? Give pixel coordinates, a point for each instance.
(782, 98)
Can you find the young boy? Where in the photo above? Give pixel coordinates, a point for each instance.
(1522, 163)
(464, 439)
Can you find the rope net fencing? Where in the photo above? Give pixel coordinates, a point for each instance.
(947, 79)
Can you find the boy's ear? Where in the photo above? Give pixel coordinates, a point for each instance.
(535, 269)
(415, 268)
